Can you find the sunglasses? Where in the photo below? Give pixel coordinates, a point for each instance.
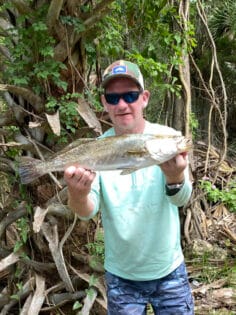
(128, 97)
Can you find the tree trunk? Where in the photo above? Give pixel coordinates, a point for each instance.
(182, 105)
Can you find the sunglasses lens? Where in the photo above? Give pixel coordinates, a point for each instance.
(112, 98)
(131, 97)
(128, 97)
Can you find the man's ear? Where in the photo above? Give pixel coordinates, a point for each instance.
(146, 95)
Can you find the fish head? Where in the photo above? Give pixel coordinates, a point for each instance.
(184, 144)
(163, 149)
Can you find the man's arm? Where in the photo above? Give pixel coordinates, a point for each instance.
(178, 185)
(79, 181)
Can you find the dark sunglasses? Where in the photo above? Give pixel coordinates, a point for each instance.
(128, 97)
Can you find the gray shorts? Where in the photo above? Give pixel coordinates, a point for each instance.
(170, 295)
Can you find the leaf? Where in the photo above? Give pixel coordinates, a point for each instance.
(88, 115)
(39, 217)
(54, 122)
(77, 305)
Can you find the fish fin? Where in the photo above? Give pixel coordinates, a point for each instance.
(28, 170)
(128, 171)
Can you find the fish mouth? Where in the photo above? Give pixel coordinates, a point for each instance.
(186, 145)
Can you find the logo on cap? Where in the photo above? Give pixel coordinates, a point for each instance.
(119, 69)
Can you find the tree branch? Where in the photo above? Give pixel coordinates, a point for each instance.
(61, 50)
(53, 13)
(223, 116)
(21, 6)
(7, 119)
(12, 217)
(28, 95)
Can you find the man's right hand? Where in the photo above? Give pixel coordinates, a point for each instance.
(79, 181)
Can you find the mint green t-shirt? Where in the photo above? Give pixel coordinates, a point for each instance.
(141, 223)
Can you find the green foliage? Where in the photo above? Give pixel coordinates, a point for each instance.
(67, 106)
(32, 51)
(155, 70)
(23, 225)
(211, 273)
(20, 289)
(93, 98)
(223, 19)
(149, 33)
(11, 151)
(93, 280)
(110, 41)
(96, 248)
(227, 195)
(76, 306)
(73, 21)
(194, 124)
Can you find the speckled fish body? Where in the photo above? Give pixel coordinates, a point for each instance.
(127, 153)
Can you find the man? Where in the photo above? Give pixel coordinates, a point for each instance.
(143, 258)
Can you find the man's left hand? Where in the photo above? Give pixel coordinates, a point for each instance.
(174, 168)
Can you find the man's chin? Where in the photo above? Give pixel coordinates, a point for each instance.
(124, 120)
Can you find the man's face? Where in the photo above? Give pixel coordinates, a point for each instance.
(126, 117)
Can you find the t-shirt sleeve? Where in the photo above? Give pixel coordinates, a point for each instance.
(182, 197)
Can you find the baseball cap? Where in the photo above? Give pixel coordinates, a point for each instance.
(123, 69)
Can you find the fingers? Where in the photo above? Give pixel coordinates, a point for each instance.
(83, 176)
(78, 176)
(69, 172)
(174, 168)
(181, 160)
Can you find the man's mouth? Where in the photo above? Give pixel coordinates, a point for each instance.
(122, 114)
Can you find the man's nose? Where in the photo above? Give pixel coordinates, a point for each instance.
(122, 103)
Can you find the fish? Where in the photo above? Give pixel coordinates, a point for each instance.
(127, 153)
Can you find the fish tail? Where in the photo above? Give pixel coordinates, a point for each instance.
(29, 170)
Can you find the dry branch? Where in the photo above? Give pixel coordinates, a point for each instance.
(51, 234)
(21, 6)
(59, 299)
(38, 265)
(25, 308)
(88, 302)
(7, 165)
(38, 297)
(9, 260)
(22, 294)
(98, 284)
(27, 94)
(7, 118)
(12, 217)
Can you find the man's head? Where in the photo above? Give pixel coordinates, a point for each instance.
(124, 96)
(123, 69)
